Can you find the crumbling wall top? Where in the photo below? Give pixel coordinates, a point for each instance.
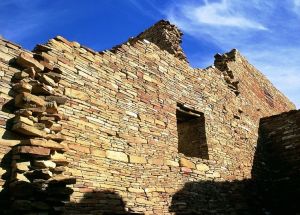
(166, 36)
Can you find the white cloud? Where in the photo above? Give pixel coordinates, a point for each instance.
(224, 22)
(257, 28)
(218, 14)
(296, 6)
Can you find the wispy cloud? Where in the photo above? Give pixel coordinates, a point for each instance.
(257, 28)
(217, 14)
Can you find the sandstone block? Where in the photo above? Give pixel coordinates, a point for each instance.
(56, 137)
(21, 177)
(28, 100)
(21, 166)
(202, 167)
(76, 94)
(30, 71)
(9, 143)
(216, 175)
(23, 112)
(42, 89)
(118, 156)
(58, 170)
(156, 161)
(36, 150)
(44, 164)
(22, 87)
(59, 159)
(23, 128)
(58, 99)
(186, 170)
(51, 107)
(55, 127)
(172, 163)
(47, 80)
(54, 76)
(186, 163)
(135, 190)
(79, 148)
(21, 119)
(137, 159)
(98, 152)
(26, 60)
(21, 75)
(44, 143)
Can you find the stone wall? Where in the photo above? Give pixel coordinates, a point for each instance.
(120, 122)
(278, 171)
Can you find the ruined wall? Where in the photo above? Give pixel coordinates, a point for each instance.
(278, 171)
(121, 129)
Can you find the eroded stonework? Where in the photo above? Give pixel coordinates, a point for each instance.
(119, 125)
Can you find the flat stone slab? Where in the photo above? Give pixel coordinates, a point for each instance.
(28, 130)
(36, 150)
(26, 60)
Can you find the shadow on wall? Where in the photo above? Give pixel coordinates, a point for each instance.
(100, 202)
(208, 197)
(268, 192)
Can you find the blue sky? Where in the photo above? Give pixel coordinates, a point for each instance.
(266, 32)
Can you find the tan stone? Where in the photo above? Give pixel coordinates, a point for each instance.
(79, 148)
(47, 80)
(21, 177)
(216, 175)
(42, 89)
(36, 150)
(26, 61)
(44, 143)
(51, 107)
(98, 152)
(156, 161)
(186, 163)
(21, 166)
(137, 159)
(202, 167)
(60, 100)
(76, 94)
(23, 128)
(118, 156)
(172, 163)
(59, 159)
(21, 75)
(44, 164)
(9, 142)
(22, 87)
(22, 119)
(30, 71)
(56, 137)
(135, 190)
(28, 100)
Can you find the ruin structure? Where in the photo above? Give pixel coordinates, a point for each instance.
(136, 130)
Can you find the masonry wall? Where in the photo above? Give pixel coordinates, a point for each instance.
(120, 123)
(279, 174)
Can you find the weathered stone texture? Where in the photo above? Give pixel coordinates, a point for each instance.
(119, 121)
(277, 162)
